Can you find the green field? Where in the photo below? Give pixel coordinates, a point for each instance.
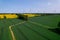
(35, 28)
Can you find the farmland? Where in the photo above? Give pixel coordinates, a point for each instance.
(36, 28)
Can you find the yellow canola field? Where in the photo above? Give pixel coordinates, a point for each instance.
(8, 15)
(31, 15)
(11, 16)
(1, 16)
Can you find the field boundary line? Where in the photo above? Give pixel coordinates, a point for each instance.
(17, 23)
(13, 37)
(40, 24)
(12, 33)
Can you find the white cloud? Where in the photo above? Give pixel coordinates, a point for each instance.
(47, 6)
(52, 6)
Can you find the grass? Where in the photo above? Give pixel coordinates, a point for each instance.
(51, 21)
(4, 28)
(29, 30)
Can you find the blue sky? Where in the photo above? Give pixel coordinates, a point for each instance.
(29, 6)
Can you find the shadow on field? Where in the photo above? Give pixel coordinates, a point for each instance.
(56, 30)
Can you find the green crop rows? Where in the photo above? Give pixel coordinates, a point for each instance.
(35, 28)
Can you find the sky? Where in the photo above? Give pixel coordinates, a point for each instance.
(29, 6)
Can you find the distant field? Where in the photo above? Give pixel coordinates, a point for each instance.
(35, 28)
(51, 20)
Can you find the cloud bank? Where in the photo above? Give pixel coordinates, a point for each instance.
(30, 6)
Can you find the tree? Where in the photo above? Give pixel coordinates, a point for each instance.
(4, 17)
(23, 17)
(58, 24)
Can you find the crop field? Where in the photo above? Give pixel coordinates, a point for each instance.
(35, 28)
